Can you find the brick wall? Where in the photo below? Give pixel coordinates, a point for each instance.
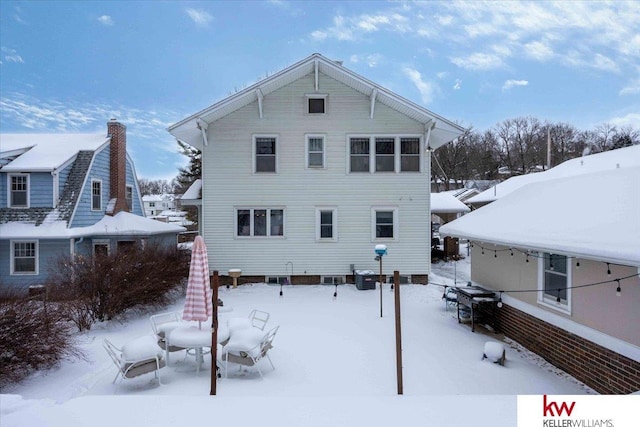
(118, 165)
(603, 370)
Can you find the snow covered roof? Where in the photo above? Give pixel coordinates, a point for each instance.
(622, 157)
(193, 192)
(446, 203)
(189, 129)
(42, 152)
(592, 216)
(121, 224)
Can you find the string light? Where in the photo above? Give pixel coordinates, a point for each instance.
(511, 252)
(495, 254)
(577, 262)
(608, 270)
(500, 300)
(618, 289)
(558, 299)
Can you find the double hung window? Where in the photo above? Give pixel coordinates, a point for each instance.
(359, 159)
(24, 257)
(384, 221)
(326, 224)
(96, 195)
(259, 222)
(315, 151)
(19, 191)
(265, 154)
(385, 154)
(554, 280)
(410, 154)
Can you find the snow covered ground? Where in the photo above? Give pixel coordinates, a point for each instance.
(335, 366)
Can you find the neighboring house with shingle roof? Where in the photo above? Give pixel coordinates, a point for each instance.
(55, 190)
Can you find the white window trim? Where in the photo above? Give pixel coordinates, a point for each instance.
(100, 242)
(396, 227)
(324, 150)
(334, 223)
(254, 154)
(309, 96)
(399, 156)
(549, 301)
(12, 258)
(372, 152)
(9, 176)
(93, 180)
(252, 209)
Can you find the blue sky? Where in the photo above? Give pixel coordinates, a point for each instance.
(70, 66)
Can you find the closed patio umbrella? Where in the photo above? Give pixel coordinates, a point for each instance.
(197, 305)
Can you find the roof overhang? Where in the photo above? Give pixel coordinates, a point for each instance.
(189, 130)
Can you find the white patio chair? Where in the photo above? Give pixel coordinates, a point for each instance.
(138, 357)
(249, 356)
(162, 324)
(259, 319)
(450, 297)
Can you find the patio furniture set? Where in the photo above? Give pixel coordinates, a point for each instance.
(243, 341)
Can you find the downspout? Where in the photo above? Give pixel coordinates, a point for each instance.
(56, 189)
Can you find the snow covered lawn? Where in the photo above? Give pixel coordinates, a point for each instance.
(335, 365)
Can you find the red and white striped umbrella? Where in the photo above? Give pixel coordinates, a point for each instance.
(197, 305)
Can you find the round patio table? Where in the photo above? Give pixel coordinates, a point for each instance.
(192, 337)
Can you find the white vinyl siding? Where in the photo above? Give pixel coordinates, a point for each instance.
(230, 184)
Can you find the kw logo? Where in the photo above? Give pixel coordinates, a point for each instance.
(552, 409)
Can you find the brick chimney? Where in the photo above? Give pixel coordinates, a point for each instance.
(118, 167)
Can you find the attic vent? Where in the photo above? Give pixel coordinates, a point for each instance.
(316, 104)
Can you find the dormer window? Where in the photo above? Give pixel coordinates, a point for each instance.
(18, 190)
(316, 104)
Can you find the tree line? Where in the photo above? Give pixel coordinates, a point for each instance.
(519, 146)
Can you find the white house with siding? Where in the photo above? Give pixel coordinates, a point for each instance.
(304, 172)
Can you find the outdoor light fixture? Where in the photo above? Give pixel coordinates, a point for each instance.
(380, 250)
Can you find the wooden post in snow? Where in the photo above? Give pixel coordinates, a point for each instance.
(396, 288)
(214, 335)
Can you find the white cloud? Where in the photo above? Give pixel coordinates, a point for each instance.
(11, 55)
(632, 88)
(457, 85)
(629, 120)
(372, 60)
(538, 51)
(602, 36)
(201, 17)
(479, 61)
(427, 89)
(105, 20)
(513, 83)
